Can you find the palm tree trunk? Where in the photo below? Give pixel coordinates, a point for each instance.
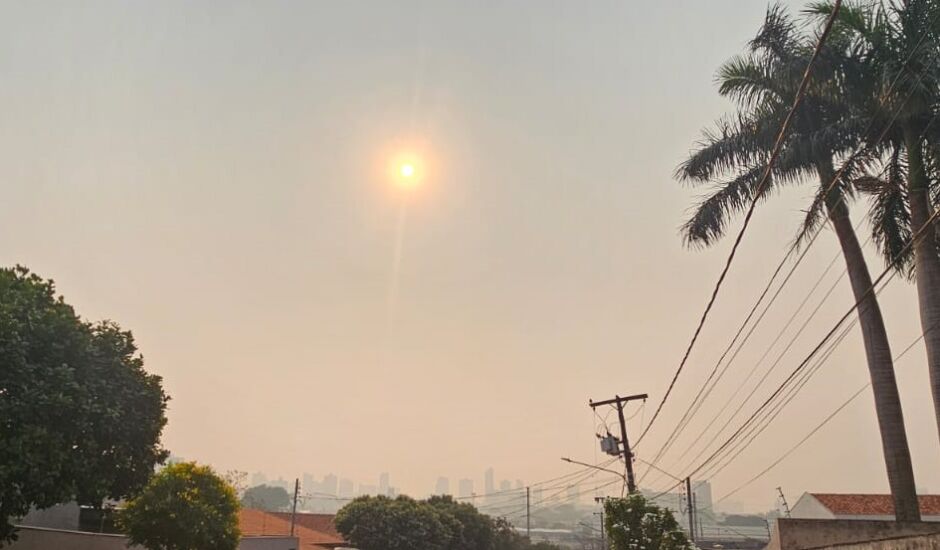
(880, 363)
(926, 261)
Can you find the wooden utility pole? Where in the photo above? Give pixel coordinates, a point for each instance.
(618, 402)
(599, 500)
(293, 512)
(528, 517)
(690, 504)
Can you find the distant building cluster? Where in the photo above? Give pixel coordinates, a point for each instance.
(329, 493)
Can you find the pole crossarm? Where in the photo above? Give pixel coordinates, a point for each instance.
(618, 399)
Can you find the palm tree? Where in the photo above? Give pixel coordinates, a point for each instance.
(763, 83)
(899, 46)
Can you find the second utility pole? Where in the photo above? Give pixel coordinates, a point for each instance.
(293, 511)
(618, 402)
(528, 517)
(690, 504)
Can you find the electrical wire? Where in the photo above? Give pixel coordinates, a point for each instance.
(804, 325)
(679, 427)
(889, 270)
(819, 426)
(778, 146)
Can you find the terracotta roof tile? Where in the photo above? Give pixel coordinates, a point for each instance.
(872, 505)
(318, 522)
(259, 522)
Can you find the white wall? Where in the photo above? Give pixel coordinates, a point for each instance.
(808, 507)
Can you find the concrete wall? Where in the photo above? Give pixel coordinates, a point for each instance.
(40, 538)
(60, 516)
(268, 543)
(919, 542)
(806, 534)
(37, 538)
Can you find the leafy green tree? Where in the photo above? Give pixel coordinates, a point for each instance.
(633, 523)
(80, 419)
(507, 538)
(471, 530)
(438, 523)
(266, 497)
(184, 507)
(825, 129)
(382, 523)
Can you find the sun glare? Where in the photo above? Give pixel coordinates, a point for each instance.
(407, 171)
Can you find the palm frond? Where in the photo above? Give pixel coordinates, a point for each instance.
(711, 215)
(734, 144)
(778, 36)
(748, 80)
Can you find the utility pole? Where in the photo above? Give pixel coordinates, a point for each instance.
(618, 402)
(293, 512)
(786, 507)
(603, 527)
(689, 503)
(528, 517)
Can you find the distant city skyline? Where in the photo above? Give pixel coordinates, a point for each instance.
(336, 485)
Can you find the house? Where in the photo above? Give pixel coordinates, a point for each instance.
(323, 523)
(858, 507)
(313, 531)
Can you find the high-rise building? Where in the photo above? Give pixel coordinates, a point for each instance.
(309, 484)
(329, 485)
(368, 489)
(703, 495)
(383, 484)
(345, 488)
(489, 483)
(442, 487)
(505, 486)
(465, 488)
(520, 484)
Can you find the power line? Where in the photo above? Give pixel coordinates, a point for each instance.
(804, 325)
(889, 270)
(674, 437)
(778, 146)
(546, 504)
(819, 426)
(699, 398)
(539, 484)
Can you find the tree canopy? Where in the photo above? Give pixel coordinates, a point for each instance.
(185, 506)
(636, 524)
(266, 497)
(439, 523)
(80, 419)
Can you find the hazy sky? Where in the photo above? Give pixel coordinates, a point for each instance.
(211, 176)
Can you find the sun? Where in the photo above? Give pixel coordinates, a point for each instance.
(407, 171)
